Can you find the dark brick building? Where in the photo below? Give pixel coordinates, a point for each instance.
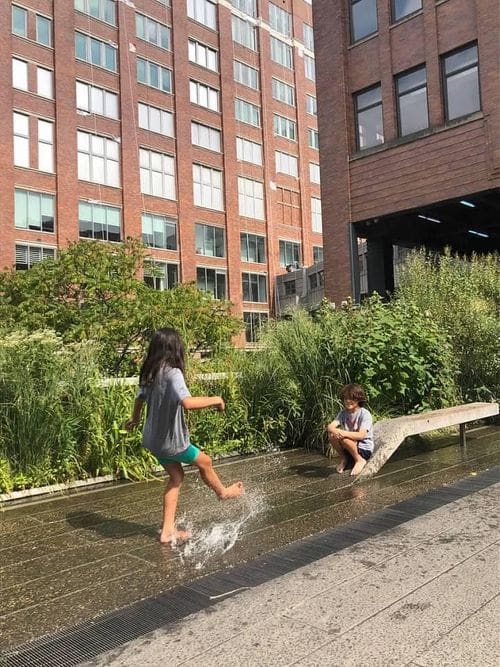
(409, 119)
(191, 123)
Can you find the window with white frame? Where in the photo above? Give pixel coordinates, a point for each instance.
(43, 34)
(160, 275)
(203, 55)
(153, 32)
(45, 146)
(154, 76)
(34, 210)
(284, 127)
(247, 112)
(254, 321)
(19, 21)
(19, 74)
(94, 51)
(246, 75)
(246, 6)
(309, 68)
(289, 253)
(313, 137)
(280, 20)
(99, 221)
(244, 33)
(203, 11)
(316, 220)
(98, 159)
(45, 82)
(21, 140)
(157, 173)
(283, 92)
(308, 37)
(211, 280)
(205, 136)
(28, 254)
(251, 198)
(254, 287)
(252, 248)
(209, 240)
(286, 163)
(314, 173)
(281, 53)
(156, 120)
(311, 105)
(158, 231)
(248, 151)
(207, 187)
(203, 95)
(93, 99)
(317, 254)
(103, 10)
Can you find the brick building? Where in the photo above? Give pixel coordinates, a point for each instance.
(191, 123)
(409, 119)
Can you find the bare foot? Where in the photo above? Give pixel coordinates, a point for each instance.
(177, 537)
(358, 467)
(232, 491)
(341, 466)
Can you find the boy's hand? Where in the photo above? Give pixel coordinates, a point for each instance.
(221, 406)
(131, 424)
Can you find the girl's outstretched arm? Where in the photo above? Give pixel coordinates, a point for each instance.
(200, 402)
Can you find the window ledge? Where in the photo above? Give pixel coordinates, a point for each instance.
(405, 19)
(363, 40)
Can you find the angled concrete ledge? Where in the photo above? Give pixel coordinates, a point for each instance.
(390, 433)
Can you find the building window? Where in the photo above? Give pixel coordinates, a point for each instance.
(44, 82)
(154, 76)
(27, 255)
(317, 254)
(95, 52)
(411, 91)
(316, 280)
(211, 280)
(247, 112)
(160, 275)
(290, 287)
(286, 163)
(248, 151)
(207, 187)
(289, 253)
(34, 210)
(311, 105)
(21, 140)
(205, 137)
(157, 173)
(153, 32)
(313, 138)
(369, 121)
(98, 159)
(156, 120)
(159, 231)
(19, 74)
(98, 221)
(314, 173)
(246, 75)
(363, 19)
(251, 198)
(289, 211)
(103, 10)
(45, 146)
(281, 53)
(280, 20)
(203, 55)
(43, 30)
(246, 6)
(204, 96)
(19, 21)
(203, 11)
(283, 92)
(461, 82)
(254, 287)
(308, 37)
(284, 127)
(209, 240)
(244, 33)
(402, 8)
(252, 248)
(316, 219)
(309, 68)
(96, 100)
(253, 322)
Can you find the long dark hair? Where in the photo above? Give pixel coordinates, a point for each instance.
(165, 349)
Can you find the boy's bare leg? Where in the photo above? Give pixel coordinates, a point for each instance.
(212, 480)
(352, 447)
(169, 534)
(336, 443)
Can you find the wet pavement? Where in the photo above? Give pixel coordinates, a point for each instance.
(69, 559)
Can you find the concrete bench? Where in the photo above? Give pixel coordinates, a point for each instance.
(390, 433)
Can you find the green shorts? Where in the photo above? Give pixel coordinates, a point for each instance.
(187, 456)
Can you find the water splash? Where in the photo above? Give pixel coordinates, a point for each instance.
(219, 538)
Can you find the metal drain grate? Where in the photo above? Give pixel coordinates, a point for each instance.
(88, 640)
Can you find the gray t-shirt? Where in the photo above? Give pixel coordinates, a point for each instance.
(165, 431)
(360, 420)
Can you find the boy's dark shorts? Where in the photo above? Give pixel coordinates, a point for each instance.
(362, 452)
